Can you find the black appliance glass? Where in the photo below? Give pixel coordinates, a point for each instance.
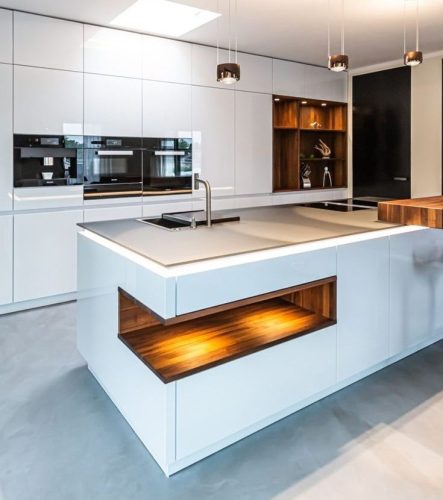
(49, 160)
(335, 207)
(113, 167)
(167, 166)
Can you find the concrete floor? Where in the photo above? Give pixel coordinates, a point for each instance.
(62, 438)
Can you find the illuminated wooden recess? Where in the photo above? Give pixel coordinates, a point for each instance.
(188, 344)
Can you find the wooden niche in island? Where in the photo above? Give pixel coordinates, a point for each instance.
(177, 347)
(302, 127)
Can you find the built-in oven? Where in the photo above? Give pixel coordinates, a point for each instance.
(167, 166)
(113, 167)
(47, 160)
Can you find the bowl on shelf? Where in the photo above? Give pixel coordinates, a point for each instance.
(47, 176)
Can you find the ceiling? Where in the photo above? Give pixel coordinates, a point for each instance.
(287, 29)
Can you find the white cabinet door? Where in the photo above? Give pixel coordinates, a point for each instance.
(6, 167)
(416, 288)
(47, 101)
(204, 66)
(5, 36)
(169, 207)
(47, 42)
(362, 305)
(213, 137)
(321, 83)
(6, 259)
(113, 106)
(166, 60)
(255, 73)
(253, 143)
(45, 254)
(112, 52)
(288, 78)
(166, 109)
(112, 213)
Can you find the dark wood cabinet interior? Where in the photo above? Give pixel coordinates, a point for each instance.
(299, 125)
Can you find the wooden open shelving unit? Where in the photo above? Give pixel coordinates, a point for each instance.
(294, 138)
(194, 342)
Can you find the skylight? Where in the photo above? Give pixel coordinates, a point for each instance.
(163, 17)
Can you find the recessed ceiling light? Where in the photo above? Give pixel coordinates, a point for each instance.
(277, 99)
(323, 104)
(163, 17)
(304, 102)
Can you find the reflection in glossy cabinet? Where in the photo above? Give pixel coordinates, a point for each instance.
(5, 36)
(45, 258)
(253, 143)
(213, 137)
(113, 106)
(6, 259)
(47, 42)
(166, 109)
(112, 52)
(416, 288)
(166, 60)
(6, 138)
(47, 101)
(362, 305)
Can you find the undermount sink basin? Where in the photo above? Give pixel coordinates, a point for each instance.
(183, 220)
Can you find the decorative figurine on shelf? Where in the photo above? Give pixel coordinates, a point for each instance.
(305, 173)
(327, 177)
(315, 125)
(324, 149)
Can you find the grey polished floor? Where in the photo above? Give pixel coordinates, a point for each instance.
(62, 438)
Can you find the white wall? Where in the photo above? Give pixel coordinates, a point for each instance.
(426, 128)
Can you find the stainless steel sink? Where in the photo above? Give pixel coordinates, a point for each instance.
(179, 221)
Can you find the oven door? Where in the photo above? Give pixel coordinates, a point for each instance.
(167, 172)
(103, 166)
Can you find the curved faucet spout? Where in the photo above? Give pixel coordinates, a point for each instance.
(207, 186)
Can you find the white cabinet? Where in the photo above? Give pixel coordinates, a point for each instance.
(6, 167)
(112, 52)
(47, 42)
(113, 106)
(166, 109)
(166, 60)
(416, 288)
(5, 36)
(47, 197)
(6, 259)
(213, 137)
(321, 83)
(204, 66)
(47, 101)
(227, 399)
(180, 205)
(112, 213)
(362, 305)
(255, 73)
(253, 143)
(45, 255)
(288, 78)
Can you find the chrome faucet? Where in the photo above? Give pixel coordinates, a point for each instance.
(197, 181)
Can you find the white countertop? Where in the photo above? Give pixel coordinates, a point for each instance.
(259, 229)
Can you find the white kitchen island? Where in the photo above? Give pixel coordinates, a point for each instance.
(202, 337)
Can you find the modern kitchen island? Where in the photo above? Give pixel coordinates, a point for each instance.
(202, 337)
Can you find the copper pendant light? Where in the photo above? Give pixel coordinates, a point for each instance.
(228, 72)
(337, 62)
(411, 57)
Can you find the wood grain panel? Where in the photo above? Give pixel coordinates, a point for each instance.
(426, 212)
(191, 345)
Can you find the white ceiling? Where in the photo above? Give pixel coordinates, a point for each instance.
(288, 29)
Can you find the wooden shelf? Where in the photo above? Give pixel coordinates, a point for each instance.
(285, 128)
(321, 159)
(310, 129)
(211, 337)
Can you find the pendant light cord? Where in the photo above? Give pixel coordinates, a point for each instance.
(416, 26)
(229, 16)
(329, 28)
(218, 32)
(236, 31)
(343, 26)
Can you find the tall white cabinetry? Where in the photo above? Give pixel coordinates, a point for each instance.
(213, 137)
(5, 259)
(45, 254)
(6, 180)
(253, 143)
(5, 36)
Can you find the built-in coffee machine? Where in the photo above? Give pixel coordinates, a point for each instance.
(49, 160)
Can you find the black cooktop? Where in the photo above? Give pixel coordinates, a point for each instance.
(337, 207)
